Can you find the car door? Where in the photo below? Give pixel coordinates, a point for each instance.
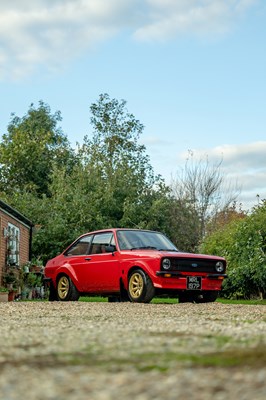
(95, 270)
(76, 260)
(102, 268)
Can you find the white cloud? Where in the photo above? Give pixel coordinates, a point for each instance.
(50, 33)
(197, 17)
(237, 157)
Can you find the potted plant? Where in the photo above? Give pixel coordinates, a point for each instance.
(10, 278)
(12, 294)
(32, 281)
(36, 265)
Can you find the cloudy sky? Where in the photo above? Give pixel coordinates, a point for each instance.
(192, 71)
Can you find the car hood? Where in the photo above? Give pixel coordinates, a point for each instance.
(164, 253)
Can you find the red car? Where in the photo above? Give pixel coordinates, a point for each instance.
(132, 265)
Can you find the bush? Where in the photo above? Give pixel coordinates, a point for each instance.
(243, 244)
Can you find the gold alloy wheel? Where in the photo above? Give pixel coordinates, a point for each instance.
(136, 285)
(63, 287)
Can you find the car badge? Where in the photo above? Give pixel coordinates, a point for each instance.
(194, 265)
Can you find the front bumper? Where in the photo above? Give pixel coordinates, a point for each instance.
(176, 280)
(176, 274)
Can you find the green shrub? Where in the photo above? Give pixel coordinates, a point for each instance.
(243, 244)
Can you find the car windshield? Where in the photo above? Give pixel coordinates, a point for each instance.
(134, 239)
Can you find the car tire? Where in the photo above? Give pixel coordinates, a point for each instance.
(140, 287)
(66, 290)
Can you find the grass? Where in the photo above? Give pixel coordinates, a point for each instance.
(94, 299)
(242, 301)
(166, 300)
(147, 361)
(252, 358)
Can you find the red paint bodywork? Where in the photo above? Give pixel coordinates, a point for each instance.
(103, 274)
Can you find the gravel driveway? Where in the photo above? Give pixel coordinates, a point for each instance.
(113, 351)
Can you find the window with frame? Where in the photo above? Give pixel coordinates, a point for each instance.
(13, 237)
(80, 248)
(100, 241)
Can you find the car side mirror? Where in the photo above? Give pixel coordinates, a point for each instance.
(110, 248)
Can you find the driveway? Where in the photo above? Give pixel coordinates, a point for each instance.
(113, 351)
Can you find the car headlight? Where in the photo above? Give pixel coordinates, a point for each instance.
(166, 264)
(219, 266)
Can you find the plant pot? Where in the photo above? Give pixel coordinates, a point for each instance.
(11, 295)
(35, 269)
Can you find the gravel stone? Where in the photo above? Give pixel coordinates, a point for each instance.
(108, 351)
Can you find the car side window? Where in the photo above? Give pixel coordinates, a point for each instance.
(100, 241)
(80, 247)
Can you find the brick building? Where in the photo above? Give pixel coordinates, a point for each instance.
(15, 238)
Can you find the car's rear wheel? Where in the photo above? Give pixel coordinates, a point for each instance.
(66, 290)
(140, 287)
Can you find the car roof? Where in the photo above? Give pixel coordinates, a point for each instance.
(118, 229)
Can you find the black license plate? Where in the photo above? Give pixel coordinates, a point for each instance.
(194, 283)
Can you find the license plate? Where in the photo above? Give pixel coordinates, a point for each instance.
(193, 282)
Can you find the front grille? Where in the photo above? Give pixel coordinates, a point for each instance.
(193, 265)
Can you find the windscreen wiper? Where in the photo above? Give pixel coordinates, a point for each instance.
(177, 251)
(144, 248)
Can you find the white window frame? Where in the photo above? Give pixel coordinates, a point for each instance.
(13, 239)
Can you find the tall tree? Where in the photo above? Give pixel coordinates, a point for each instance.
(29, 149)
(203, 186)
(116, 160)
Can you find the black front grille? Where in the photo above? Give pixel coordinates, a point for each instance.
(193, 265)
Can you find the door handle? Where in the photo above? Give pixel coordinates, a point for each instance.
(88, 259)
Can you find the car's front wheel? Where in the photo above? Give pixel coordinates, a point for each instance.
(66, 290)
(140, 287)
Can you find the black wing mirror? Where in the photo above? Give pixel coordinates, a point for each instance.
(110, 248)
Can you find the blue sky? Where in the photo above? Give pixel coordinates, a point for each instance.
(192, 71)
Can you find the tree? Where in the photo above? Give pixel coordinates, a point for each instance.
(117, 162)
(202, 186)
(222, 218)
(112, 183)
(30, 148)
